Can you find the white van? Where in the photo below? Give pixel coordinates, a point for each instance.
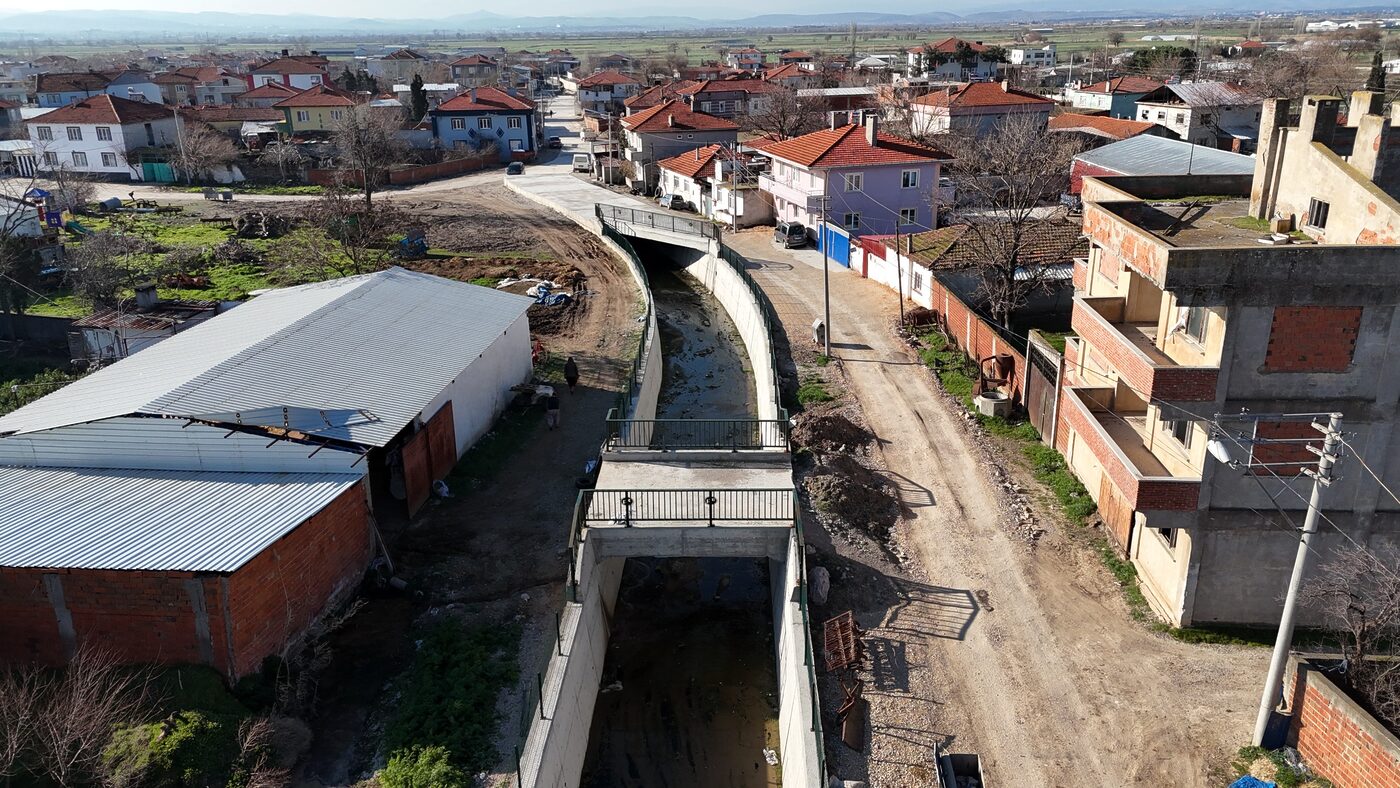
(583, 162)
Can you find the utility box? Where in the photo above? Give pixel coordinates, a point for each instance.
(993, 403)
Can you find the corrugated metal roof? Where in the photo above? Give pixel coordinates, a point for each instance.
(386, 343)
(1149, 155)
(83, 518)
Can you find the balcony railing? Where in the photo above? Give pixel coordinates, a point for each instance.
(627, 220)
(810, 202)
(627, 508)
(1133, 351)
(1119, 443)
(696, 434)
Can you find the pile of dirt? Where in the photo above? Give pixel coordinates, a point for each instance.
(829, 428)
(851, 496)
(467, 269)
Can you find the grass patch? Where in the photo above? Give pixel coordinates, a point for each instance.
(812, 392)
(449, 693)
(1055, 339)
(1049, 468)
(1277, 770)
(1259, 226)
(488, 456)
(486, 281)
(951, 365)
(823, 359)
(19, 391)
(291, 191)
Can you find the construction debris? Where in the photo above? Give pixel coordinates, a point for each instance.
(260, 224)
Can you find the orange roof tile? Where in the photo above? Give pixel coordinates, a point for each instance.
(289, 65)
(980, 94)
(697, 164)
(1117, 128)
(1123, 85)
(107, 109)
(947, 46)
(473, 60)
(484, 100)
(271, 90)
(319, 96)
(846, 146)
(606, 77)
(674, 115)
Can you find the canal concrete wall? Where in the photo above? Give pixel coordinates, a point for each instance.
(799, 728)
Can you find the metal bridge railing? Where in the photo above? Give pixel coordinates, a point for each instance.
(696, 434)
(616, 215)
(627, 508)
(634, 379)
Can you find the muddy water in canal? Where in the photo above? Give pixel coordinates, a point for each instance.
(706, 372)
(689, 692)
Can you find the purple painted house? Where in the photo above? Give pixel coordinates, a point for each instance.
(874, 181)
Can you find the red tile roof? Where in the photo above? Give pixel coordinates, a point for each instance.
(8, 104)
(956, 247)
(289, 65)
(318, 96)
(484, 100)
(746, 85)
(473, 60)
(107, 109)
(174, 78)
(1251, 44)
(1123, 85)
(606, 77)
(1117, 128)
(271, 90)
(981, 94)
(787, 72)
(71, 82)
(846, 146)
(947, 46)
(673, 115)
(224, 113)
(792, 54)
(404, 54)
(697, 164)
(656, 94)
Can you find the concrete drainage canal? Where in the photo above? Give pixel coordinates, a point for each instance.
(684, 654)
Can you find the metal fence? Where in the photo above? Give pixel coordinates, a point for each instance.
(627, 219)
(696, 434)
(809, 655)
(634, 380)
(711, 507)
(740, 264)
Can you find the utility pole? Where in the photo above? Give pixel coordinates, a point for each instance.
(826, 274)
(1322, 478)
(898, 275)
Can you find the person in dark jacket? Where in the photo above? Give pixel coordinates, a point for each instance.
(551, 411)
(571, 373)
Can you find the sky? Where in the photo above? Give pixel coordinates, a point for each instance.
(378, 9)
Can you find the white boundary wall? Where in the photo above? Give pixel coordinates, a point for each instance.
(798, 741)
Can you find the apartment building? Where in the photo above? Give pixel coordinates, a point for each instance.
(1186, 310)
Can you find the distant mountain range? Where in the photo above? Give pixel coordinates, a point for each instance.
(149, 25)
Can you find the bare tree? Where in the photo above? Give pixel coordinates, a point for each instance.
(202, 152)
(787, 114)
(106, 263)
(20, 700)
(342, 238)
(368, 144)
(1003, 181)
(1358, 594)
(284, 156)
(1323, 67)
(79, 709)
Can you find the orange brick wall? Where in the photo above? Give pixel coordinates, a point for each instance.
(1338, 739)
(149, 616)
(981, 340)
(1114, 349)
(1312, 338)
(275, 595)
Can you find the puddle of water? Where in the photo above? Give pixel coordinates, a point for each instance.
(706, 371)
(689, 692)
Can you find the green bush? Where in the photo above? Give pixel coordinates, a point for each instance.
(19, 392)
(813, 392)
(422, 767)
(186, 749)
(449, 694)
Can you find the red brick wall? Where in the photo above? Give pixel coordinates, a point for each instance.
(407, 175)
(1338, 739)
(148, 616)
(1312, 338)
(983, 341)
(274, 596)
(1284, 452)
(1114, 349)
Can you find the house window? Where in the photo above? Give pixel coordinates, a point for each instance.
(909, 179)
(1168, 535)
(104, 133)
(514, 122)
(704, 106)
(79, 159)
(1180, 118)
(483, 123)
(1196, 323)
(75, 134)
(303, 116)
(459, 123)
(907, 216)
(109, 160)
(1181, 430)
(51, 159)
(315, 80)
(1317, 213)
(1161, 114)
(918, 285)
(336, 114)
(851, 221)
(855, 181)
(43, 132)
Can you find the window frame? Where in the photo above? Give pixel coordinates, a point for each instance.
(303, 116)
(1318, 211)
(1195, 326)
(853, 181)
(104, 133)
(106, 155)
(75, 133)
(50, 158)
(1180, 429)
(908, 217)
(846, 222)
(515, 122)
(80, 158)
(458, 124)
(43, 133)
(483, 123)
(909, 179)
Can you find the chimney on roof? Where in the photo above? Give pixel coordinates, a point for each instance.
(285, 53)
(872, 129)
(1006, 86)
(473, 95)
(671, 119)
(146, 297)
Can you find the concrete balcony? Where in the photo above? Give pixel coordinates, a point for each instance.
(812, 203)
(1121, 445)
(1131, 349)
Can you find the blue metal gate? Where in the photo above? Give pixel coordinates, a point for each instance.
(836, 243)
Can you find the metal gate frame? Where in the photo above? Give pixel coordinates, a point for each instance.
(1043, 361)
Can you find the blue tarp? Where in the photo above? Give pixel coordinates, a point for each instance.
(1251, 782)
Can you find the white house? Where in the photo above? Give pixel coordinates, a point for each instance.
(940, 61)
(719, 183)
(1205, 113)
(99, 135)
(605, 91)
(298, 71)
(975, 107)
(670, 129)
(1031, 56)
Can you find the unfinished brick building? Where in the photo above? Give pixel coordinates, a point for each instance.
(207, 498)
(1187, 307)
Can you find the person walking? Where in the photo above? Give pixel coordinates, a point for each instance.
(551, 410)
(571, 373)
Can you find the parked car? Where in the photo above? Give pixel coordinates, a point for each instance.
(515, 168)
(583, 162)
(674, 202)
(555, 142)
(790, 234)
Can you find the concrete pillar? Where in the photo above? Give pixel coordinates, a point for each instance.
(67, 635)
(1267, 155)
(1368, 152)
(1363, 103)
(1318, 122)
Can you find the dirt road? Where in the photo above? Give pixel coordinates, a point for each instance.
(1026, 657)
